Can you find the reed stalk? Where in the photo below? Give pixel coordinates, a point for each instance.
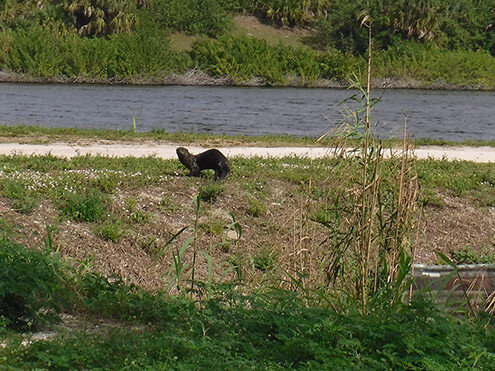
(369, 243)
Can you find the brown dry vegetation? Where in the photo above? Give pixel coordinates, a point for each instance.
(277, 230)
(454, 225)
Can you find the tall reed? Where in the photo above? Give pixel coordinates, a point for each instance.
(368, 251)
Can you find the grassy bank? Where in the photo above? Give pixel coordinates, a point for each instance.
(109, 210)
(117, 326)
(148, 59)
(44, 135)
(92, 238)
(277, 266)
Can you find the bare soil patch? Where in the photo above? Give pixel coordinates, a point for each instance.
(252, 26)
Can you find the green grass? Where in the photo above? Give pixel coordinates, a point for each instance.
(237, 338)
(23, 199)
(213, 227)
(44, 135)
(256, 207)
(210, 191)
(269, 330)
(111, 230)
(53, 177)
(459, 178)
(89, 206)
(466, 255)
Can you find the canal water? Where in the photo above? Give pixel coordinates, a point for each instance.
(450, 115)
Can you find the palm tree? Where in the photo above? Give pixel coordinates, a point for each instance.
(102, 17)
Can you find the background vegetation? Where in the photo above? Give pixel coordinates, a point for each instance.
(129, 40)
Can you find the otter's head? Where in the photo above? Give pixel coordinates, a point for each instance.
(181, 151)
(185, 157)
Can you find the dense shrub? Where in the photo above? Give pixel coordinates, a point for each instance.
(30, 287)
(283, 12)
(101, 17)
(419, 39)
(41, 53)
(460, 24)
(409, 59)
(243, 58)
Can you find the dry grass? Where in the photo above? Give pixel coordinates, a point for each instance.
(285, 231)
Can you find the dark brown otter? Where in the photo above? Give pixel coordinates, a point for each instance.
(210, 159)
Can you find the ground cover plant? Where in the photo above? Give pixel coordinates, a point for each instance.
(262, 336)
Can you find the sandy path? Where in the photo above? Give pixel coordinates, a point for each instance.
(167, 151)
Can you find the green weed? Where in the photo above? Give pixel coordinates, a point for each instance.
(22, 199)
(214, 227)
(461, 178)
(266, 260)
(466, 255)
(141, 217)
(256, 208)
(89, 206)
(111, 230)
(209, 191)
(168, 206)
(260, 332)
(32, 291)
(149, 244)
(193, 17)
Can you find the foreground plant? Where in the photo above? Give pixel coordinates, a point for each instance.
(368, 248)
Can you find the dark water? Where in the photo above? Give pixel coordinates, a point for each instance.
(451, 115)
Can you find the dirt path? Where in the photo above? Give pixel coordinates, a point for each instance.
(167, 151)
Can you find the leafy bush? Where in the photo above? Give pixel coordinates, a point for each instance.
(39, 52)
(30, 288)
(429, 64)
(92, 17)
(461, 24)
(243, 58)
(283, 12)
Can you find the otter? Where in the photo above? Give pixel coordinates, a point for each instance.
(210, 159)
